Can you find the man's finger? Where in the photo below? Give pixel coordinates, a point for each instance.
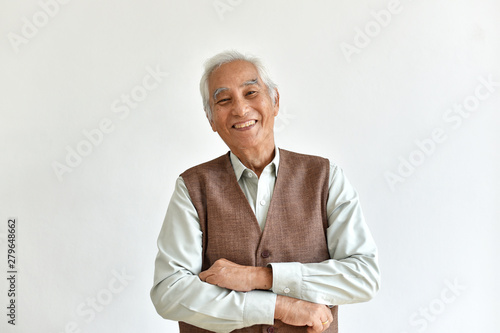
(210, 280)
(317, 326)
(205, 275)
(315, 329)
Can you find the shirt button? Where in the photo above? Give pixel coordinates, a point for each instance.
(265, 254)
(286, 290)
(262, 202)
(270, 329)
(249, 174)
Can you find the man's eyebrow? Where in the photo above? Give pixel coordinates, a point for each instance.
(250, 82)
(218, 91)
(246, 83)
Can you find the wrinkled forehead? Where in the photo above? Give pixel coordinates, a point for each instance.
(233, 75)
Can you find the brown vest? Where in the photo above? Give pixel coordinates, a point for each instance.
(296, 223)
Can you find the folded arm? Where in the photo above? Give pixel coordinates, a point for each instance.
(229, 296)
(179, 294)
(350, 276)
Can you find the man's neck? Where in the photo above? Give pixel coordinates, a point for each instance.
(256, 159)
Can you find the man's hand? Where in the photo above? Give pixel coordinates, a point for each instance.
(296, 312)
(227, 274)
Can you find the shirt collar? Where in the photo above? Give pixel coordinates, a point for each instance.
(239, 168)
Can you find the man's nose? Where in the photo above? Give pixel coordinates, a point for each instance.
(240, 107)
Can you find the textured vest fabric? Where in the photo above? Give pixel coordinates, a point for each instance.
(295, 229)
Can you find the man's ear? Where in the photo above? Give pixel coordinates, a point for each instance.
(211, 123)
(276, 103)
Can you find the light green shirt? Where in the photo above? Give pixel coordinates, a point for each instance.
(350, 276)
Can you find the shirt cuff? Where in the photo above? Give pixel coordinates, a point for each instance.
(259, 308)
(287, 279)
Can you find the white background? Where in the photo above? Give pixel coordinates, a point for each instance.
(436, 226)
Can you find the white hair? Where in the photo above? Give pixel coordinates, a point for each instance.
(227, 57)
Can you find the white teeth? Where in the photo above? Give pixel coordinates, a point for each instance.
(243, 125)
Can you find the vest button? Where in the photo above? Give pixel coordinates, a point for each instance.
(270, 329)
(265, 254)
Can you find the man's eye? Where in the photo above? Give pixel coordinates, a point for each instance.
(222, 100)
(251, 92)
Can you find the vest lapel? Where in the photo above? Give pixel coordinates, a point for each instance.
(232, 184)
(283, 174)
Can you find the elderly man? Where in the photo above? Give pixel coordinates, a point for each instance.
(260, 239)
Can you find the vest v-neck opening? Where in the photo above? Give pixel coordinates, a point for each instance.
(234, 183)
(277, 185)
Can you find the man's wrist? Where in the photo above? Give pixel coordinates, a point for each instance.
(278, 309)
(263, 278)
(283, 306)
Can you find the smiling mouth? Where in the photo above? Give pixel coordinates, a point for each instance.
(245, 124)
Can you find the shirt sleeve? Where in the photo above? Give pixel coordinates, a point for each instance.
(352, 274)
(178, 293)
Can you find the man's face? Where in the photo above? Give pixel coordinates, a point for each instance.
(242, 110)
